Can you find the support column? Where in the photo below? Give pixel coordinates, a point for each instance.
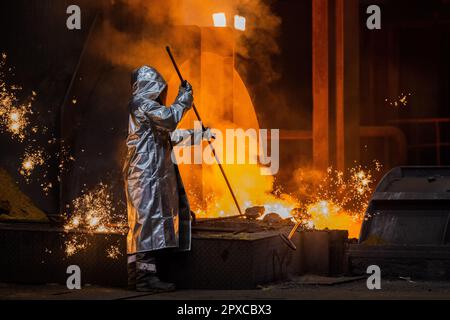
(335, 63)
(340, 84)
(351, 97)
(320, 83)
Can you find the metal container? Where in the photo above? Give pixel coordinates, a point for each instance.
(406, 227)
(35, 254)
(232, 254)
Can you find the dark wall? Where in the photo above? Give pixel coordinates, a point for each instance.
(44, 54)
(287, 102)
(408, 55)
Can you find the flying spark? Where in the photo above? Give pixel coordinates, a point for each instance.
(401, 101)
(14, 116)
(94, 212)
(30, 161)
(113, 252)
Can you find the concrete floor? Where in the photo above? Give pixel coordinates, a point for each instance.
(305, 288)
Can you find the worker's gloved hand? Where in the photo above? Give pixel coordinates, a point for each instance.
(208, 135)
(185, 95)
(187, 87)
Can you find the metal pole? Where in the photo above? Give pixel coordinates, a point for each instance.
(203, 128)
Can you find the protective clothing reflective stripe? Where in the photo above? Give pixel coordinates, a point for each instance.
(146, 266)
(131, 258)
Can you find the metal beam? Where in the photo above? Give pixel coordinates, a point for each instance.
(320, 83)
(340, 76)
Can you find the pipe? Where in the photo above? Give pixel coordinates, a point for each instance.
(388, 132)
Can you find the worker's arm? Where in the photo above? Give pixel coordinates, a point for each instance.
(167, 118)
(190, 137)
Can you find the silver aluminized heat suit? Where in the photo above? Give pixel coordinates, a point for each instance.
(158, 208)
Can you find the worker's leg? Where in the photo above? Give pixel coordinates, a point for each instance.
(146, 274)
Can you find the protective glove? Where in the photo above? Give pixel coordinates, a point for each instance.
(208, 135)
(186, 86)
(185, 95)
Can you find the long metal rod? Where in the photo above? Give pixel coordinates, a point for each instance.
(203, 128)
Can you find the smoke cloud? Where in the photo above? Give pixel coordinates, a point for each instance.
(135, 32)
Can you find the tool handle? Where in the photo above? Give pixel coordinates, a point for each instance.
(175, 65)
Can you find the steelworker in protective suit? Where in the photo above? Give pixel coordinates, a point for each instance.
(159, 216)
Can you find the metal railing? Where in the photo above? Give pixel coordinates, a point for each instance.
(438, 143)
(387, 133)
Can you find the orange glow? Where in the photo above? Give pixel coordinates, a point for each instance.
(223, 101)
(335, 200)
(327, 215)
(207, 191)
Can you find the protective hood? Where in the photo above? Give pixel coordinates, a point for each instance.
(147, 82)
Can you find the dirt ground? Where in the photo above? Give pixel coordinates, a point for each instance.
(305, 288)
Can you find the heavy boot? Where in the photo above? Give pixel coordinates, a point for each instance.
(147, 279)
(131, 268)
